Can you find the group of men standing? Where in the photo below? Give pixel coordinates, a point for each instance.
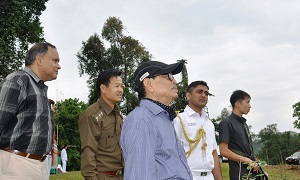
(152, 142)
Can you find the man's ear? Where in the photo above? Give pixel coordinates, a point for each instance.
(237, 104)
(102, 88)
(187, 96)
(39, 59)
(148, 84)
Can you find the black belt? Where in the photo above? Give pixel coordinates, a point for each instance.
(201, 173)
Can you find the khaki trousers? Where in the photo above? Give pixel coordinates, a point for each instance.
(16, 167)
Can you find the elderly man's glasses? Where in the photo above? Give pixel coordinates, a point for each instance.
(169, 76)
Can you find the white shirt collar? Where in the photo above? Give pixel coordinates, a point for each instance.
(191, 112)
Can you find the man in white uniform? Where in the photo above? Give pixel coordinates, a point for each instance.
(64, 158)
(197, 134)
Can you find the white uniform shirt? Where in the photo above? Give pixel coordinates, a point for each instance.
(193, 121)
(64, 155)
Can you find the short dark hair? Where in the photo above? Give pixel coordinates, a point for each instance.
(37, 49)
(194, 84)
(104, 78)
(238, 95)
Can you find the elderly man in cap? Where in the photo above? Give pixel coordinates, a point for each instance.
(150, 146)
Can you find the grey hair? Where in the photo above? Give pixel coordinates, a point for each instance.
(38, 49)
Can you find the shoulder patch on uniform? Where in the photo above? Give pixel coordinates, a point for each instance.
(97, 117)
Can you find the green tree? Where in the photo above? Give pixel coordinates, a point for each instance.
(124, 53)
(20, 26)
(180, 102)
(66, 115)
(216, 121)
(296, 114)
(276, 146)
(225, 113)
(269, 138)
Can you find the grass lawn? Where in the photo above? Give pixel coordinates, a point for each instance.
(278, 172)
(70, 175)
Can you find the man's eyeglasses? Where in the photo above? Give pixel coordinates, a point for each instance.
(169, 76)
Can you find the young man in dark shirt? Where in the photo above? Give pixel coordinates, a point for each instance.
(235, 141)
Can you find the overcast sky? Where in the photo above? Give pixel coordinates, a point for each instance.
(249, 45)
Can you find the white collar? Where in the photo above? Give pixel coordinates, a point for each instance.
(191, 112)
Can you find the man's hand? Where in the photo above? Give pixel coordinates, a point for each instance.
(254, 165)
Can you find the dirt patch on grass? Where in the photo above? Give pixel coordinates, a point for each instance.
(284, 171)
(293, 167)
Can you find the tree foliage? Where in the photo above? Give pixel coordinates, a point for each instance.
(20, 26)
(216, 121)
(181, 102)
(123, 53)
(276, 146)
(296, 114)
(66, 117)
(225, 113)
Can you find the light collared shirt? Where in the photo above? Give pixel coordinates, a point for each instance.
(25, 120)
(150, 146)
(192, 121)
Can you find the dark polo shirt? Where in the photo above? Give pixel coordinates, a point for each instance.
(232, 132)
